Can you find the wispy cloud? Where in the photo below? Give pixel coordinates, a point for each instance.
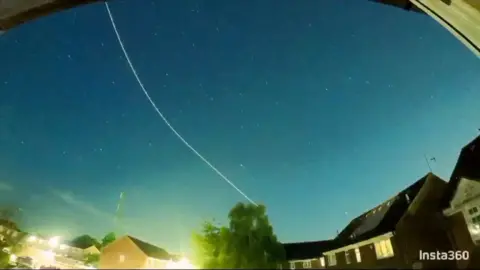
(85, 206)
(4, 186)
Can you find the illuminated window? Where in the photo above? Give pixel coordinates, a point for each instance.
(332, 259)
(347, 257)
(384, 249)
(292, 265)
(357, 255)
(307, 264)
(122, 258)
(322, 261)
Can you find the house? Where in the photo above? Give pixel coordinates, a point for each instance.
(128, 252)
(306, 255)
(461, 205)
(392, 234)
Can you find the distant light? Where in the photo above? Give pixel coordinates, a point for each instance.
(181, 264)
(32, 238)
(49, 255)
(13, 258)
(54, 241)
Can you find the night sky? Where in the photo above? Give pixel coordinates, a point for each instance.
(318, 109)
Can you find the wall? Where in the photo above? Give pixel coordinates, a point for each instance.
(110, 256)
(423, 228)
(368, 258)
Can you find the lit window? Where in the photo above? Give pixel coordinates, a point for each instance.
(357, 255)
(332, 259)
(322, 261)
(379, 208)
(307, 264)
(384, 249)
(122, 258)
(292, 265)
(347, 257)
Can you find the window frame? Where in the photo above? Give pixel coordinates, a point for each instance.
(358, 255)
(292, 265)
(347, 257)
(332, 259)
(307, 264)
(322, 261)
(384, 249)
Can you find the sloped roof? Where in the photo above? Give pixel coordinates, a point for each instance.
(16, 12)
(403, 4)
(150, 250)
(468, 166)
(307, 250)
(381, 219)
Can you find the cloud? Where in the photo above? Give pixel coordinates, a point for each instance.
(85, 206)
(4, 186)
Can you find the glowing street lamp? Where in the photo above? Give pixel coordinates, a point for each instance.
(54, 241)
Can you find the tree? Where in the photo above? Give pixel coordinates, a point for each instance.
(9, 216)
(85, 241)
(107, 239)
(92, 259)
(248, 241)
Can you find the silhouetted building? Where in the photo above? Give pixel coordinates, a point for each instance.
(459, 17)
(304, 255)
(16, 12)
(462, 205)
(391, 235)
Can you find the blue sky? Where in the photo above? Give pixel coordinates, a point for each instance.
(320, 110)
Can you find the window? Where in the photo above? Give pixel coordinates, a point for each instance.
(279, 266)
(332, 260)
(476, 220)
(473, 210)
(307, 264)
(357, 255)
(292, 265)
(384, 249)
(122, 258)
(322, 261)
(347, 257)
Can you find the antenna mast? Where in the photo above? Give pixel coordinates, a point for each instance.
(118, 215)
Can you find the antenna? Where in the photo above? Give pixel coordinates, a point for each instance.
(428, 163)
(118, 215)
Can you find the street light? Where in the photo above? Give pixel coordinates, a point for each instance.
(53, 242)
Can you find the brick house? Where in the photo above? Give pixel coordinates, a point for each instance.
(461, 204)
(131, 253)
(390, 235)
(306, 255)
